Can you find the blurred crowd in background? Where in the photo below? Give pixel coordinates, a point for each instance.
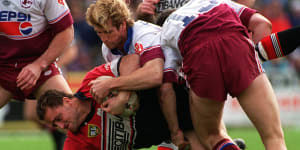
(283, 14)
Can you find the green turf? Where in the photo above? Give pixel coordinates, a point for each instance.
(30, 138)
(253, 142)
(25, 141)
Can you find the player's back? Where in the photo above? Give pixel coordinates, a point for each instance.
(199, 18)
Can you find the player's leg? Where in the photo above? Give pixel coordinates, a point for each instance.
(207, 120)
(5, 96)
(259, 103)
(194, 143)
(57, 82)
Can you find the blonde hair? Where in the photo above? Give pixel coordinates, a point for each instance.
(99, 13)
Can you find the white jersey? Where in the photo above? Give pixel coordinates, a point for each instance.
(25, 19)
(141, 38)
(178, 20)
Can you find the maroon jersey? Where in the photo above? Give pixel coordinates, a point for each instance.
(27, 27)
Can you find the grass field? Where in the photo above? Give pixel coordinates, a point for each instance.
(27, 136)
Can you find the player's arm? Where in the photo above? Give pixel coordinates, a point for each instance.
(278, 44)
(259, 26)
(148, 76)
(146, 10)
(30, 74)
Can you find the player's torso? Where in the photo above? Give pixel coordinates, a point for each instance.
(141, 36)
(194, 9)
(22, 19)
(24, 26)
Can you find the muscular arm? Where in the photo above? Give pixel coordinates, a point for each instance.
(30, 73)
(259, 26)
(60, 43)
(150, 75)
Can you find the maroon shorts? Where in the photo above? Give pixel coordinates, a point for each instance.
(8, 78)
(220, 64)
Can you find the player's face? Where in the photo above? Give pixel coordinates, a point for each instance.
(113, 37)
(64, 117)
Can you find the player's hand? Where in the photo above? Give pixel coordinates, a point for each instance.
(100, 89)
(147, 7)
(28, 76)
(116, 104)
(179, 140)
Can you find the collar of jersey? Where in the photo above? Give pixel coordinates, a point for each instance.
(81, 96)
(127, 43)
(89, 116)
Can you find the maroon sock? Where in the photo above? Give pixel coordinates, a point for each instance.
(225, 144)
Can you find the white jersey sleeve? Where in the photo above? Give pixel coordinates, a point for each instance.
(55, 10)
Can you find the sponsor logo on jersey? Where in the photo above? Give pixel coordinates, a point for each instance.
(138, 48)
(15, 23)
(26, 3)
(61, 2)
(107, 66)
(6, 3)
(93, 130)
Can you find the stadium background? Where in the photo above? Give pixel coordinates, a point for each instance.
(19, 134)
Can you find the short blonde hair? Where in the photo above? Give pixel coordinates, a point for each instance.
(98, 14)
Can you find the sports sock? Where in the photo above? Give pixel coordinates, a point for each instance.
(225, 144)
(278, 44)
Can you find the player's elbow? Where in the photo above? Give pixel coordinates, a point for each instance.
(157, 78)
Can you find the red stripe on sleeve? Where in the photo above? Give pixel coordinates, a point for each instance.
(269, 48)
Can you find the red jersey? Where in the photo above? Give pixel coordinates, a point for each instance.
(100, 130)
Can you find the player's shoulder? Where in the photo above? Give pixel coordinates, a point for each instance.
(141, 25)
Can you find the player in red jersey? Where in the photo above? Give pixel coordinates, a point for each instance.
(91, 127)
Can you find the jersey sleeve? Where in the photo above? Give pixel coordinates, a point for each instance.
(58, 14)
(243, 12)
(103, 70)
(172, 64)
(147, 44)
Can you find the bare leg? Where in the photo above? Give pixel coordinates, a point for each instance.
(207, 120)
(5, 96)
(259, 103)
(193, 140)
(57, 82)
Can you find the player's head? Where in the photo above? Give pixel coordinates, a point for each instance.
(110, 19)
(58, 109)
(161, 18)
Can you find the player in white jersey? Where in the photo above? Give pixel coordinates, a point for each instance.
(218, 59)
(33, 33)
(148, 10)
(141, 38)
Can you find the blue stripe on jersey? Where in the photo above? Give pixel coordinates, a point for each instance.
(127, 43)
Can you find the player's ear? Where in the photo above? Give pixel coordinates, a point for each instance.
(67, 100)
(123, 26)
